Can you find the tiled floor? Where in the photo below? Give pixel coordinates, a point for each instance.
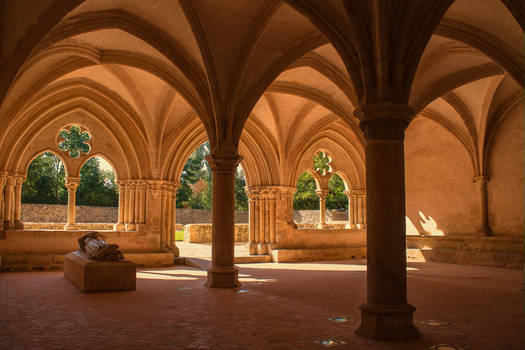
(287, 306)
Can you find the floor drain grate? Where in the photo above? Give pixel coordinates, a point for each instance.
(435, 323)
(328, 343)
(444, 347)
(341, 319)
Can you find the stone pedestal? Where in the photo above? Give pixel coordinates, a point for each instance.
(223, 277)
(99, 276)
(386, 322)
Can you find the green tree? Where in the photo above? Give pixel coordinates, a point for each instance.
(45, 181)
(97, 186)
(195, 190)
(336, 199)
(305, 198)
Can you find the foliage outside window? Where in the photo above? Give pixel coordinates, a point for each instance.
(74, 141)
(305, 197)
(46, 178)
(195, 189)
(322, 163)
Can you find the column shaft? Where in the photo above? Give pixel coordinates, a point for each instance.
(386, 315)
(223, 274)
(484, 226)
(8, 199)
(272, 219)
(72, 185)
(18, 202)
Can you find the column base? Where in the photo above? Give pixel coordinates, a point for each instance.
(485, 231)
(253, 248)
(71, 227)
(322, 226)
(174, 249)
(130, 227)
(119, 227)
(385, 322)
(19, 225)
(262, 249)
(223, 277)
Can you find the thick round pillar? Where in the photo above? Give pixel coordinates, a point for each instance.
(386, 314)
(484, 227)
(222, 273)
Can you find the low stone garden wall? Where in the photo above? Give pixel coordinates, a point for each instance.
(201, 233)
(58, 213)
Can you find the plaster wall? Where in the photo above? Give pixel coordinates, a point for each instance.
(439, 181)
(505, 186)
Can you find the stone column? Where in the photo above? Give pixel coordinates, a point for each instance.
(19, 180)
(121, 200)
(136, 214)
(164, 235)
(359, 208)
(9, 221)
(386, 314)
(3, 180)
(322, 207)
(222, 273)
(272, 217)
(71, 184)
(252, 194)
(484, 225)
(350, 210)
(130, 195)
(173, 218)
(142, 214)
(262, 248)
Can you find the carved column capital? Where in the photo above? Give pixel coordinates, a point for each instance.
(72, 183)
(322, 194)
(222, 162)
(382, 121)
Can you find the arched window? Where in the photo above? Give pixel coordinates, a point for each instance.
(45, 183)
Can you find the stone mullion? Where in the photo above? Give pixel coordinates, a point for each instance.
(169, 219)
(322, 194)
(18, 202)
(364, 209)
(72, 185)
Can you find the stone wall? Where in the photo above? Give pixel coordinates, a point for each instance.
(58, 213)
(201, 216)
(201, 233)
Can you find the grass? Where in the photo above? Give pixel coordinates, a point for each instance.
(179, 235)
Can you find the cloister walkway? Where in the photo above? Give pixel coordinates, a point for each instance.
(286, 306)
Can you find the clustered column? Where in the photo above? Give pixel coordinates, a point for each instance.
(132, 205)
(168, 215)
(356, 208)
(262, 212)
